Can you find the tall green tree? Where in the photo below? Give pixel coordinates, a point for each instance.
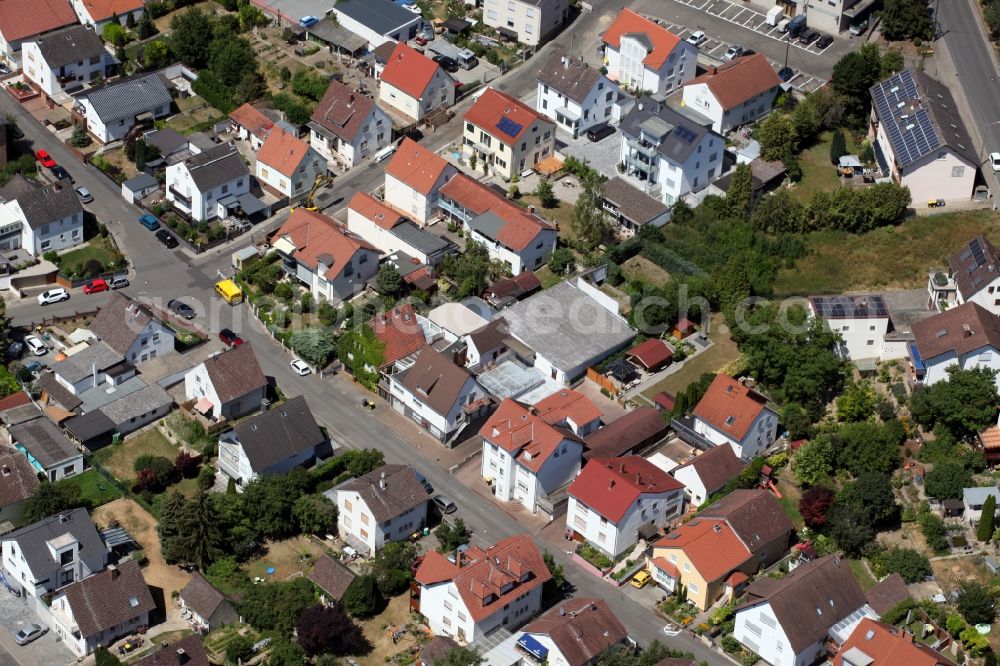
(857, 402)
(947, 480)
(905, 19)
(190, 37)
(315, 514)
(778, 138)
(589, 222)
(315, 344)
(853, 75)
(963, 405)
(838, 146)
(545, 195)
(50, 499)
(388, 282)
(739, 196)
(172, 515)
(813, 462)
(460, 656)
(200, 536)
(984, 531)
(362, 354)
(362, 597)
(976, 603)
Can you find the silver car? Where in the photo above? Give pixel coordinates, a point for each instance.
(28, 633)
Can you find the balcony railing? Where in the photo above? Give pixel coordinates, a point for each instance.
(684, 427)
(180, 197)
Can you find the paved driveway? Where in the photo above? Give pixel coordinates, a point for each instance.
(15, 612)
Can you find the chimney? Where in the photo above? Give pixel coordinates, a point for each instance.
(63, 518)
(565, 62)
(93, 373)
(114, 571)
(350, 101)
(182, 656)
(381, 481)
(264, 405)
(611, 484)
(6, 470)
(531, 209)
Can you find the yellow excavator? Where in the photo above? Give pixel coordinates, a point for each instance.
(307, 203)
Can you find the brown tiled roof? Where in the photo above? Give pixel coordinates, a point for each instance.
(715, 467)
(388, 491)
(435, 380)
(515, 287)
(416, 166)
(108, 598)
(202, 596)
(567, 404)
(14, 400)
(24, 19)
(810, 599)
(571, 76)
(283, 152)
(56, 391)
(342, 111)
(235, 372)
(990, 438)
(491, 336)
(739, 80)
(193, 655)
(622, 435)
(520, 228)
(633, 203)
(888, 594)
(331, 576)
(119, 322)
(663, 41)
(886, 645)
(18, 478)
(975, 266)
(665, 400)
(652, 353)
(378, 212)
(730, 407)
(610, 486)
(960, 330)
(493, 106)
(399, 331)
(581, 628)
(755, 515)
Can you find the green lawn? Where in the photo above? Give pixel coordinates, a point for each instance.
(547, 277)
(713, 360)
(74, 261)
(195, 113)
(861, 574)
(818, 173)
(94, 488)
(120, 458)
(888, 258)
(561, 215)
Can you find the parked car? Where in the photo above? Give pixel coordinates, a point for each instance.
(859, 28)
(300, 367)
(449, 65)
(60, 173)
(84, 194)
(44, 159)
(95, 286)
(786, 74)
(600, 131)
(424, 482)
(118, 281)
(308, 21)
(15, 349)
(180, 308)
(444, 504)
(149, 221)
(697, 38)
(16, 132)
(995, 161)
(34, 367)
(166, 238)
(28, 633)
(421, 40)
(641, 579)
(230, 338)
(808, 36)
(734, 51)
(53, 296)
(35, 345)
(824, 41)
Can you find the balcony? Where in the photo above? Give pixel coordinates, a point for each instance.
(642, 147)
(180, 198)
(684, 427)
(942, 289)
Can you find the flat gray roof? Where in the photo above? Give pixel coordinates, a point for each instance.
(44, 441)
(382, 16)
(416, 237)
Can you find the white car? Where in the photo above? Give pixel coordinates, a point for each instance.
(35, 344)
(697, 38)
(53, 296)
(300, 367)
(995, 161)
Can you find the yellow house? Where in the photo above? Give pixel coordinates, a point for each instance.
(505, 135)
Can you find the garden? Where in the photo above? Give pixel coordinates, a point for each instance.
(98, 256)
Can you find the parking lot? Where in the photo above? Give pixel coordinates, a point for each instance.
(15, 612)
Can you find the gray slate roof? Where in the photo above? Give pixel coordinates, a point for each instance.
(44, 441)
(70, 45)
(32, 539)
(676, 135)
(216, 166)
(136, 404)
(124, 100)
(168, 140)
(81, 365)
(90, 425)
(56, 391)
(402, 491)
(48, 204)
(279, 433)
(141, 182)
(570, 76)
(634, 204)
(416, 237)
(120, 322)
(381, 16)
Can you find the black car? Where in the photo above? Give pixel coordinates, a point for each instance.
(600, 131)
(181, 309)
(786, 74)
(824, 41)
(60, 173)
(449, 65)
(808, 36)
(166, 238)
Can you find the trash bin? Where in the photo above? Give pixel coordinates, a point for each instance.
(427, 531)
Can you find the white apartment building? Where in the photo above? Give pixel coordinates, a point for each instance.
(573, 94)
(413, 178)
(643, 56)
(347, 127)
(199, 185)
(530, 22)
(730, 412)
(61, 61)
(387, 504)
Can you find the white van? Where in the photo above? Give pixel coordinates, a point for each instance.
(783, 25)
(385, 153)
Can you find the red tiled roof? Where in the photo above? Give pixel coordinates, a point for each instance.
(342, 111)
(375, 211)
(422, 278)
(494, 106)
(283, 152)
(737, 578)
(628, 22)
(314, 236)
(652, 353)
(710, 544)
(610, 486)
(523, 434)
(25, 19)
(253, 120)
(886, 645)
(409, 70)
(730, 407)
(103, 9)
(666, 566)
(739, 80)
(416, 166)
(399, 331)
(14, 400)
(521, 228)
(567, 404)
(989, 437)
(435, 568)
(665, 400)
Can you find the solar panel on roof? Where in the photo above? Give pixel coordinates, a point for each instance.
(509, 127)
(684, 134)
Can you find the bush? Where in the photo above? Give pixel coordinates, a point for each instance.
(51, 256)
(908, 563)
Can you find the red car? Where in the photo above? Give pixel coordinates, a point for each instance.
(230, 338)
(95, 286)
(45, 159)
(421, 40)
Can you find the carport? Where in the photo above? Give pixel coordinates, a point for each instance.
(93, 429)
(246, 206)
(339, 38)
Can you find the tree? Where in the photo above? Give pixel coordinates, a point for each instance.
(933, 529)
(848, 528)
(813, 462)
(852, 77)
(361, 599)
(114, 33)
(964, 404)
(172, 512)
(363, 461)
(992, 16)
(185, 465)
(554, 585)
(545, 195)
(156, 54)
(778, 212)
(315, 344)
(161, 470)
(315, 514)
(857, 402)
(947, 480)
(392, 567)
(199, 534)
(362, 354)
(562, 261)
(388, 282)
(814, 505)
(268, 502)
(285, 653)
(328, 630)
(452, 535)
(80, 138)
(190, 37)
(145, 28)
(250, 17)
(870, 497)
(50, 499)
(239, 649)
(906, 19)
(739, 196)
(274, 606)
(473, 269)
(589, 222)
(103, 657)
(984, 531)
(912, 565)
(976, 603)
(295, 110)
(778, 138)
(868, 446)
(460, 656)
(838, 146)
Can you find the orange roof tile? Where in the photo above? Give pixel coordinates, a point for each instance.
(283, 152)
(886, 645)
(651, 353)
(373, 210)
(409, 70)
(249, 117)
(730, 407)
(567, 404)
(435, 568)
(14, 400)
(416, 166)
(662, 40)
(316, 237)
(103, 9)
(25, 19)
(990, 438)
(521, 228)
(610, 486)
(493, 106)
(399, 331)
(666, 566)
(523, 434)
(739, 80)
(710, 544)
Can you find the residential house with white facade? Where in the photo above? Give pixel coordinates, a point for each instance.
(477, 591)
(391, 232)
(666, 154)
(387, 504)
(862, 322)
(486, 346)
(735, 93)
(574, 94)
(920, 139)
(966, 336)
(574, 632)
(209, 608)
(207, 185)
(789, 621)
(111, 110)
(413, 179)
(62, 61)
(333, 263)
(973, 500)
(616, 501)
(18, 25)
(51, 218)
(568, 408)
(529, 22)
(251, 125)
(347, 127)
(58, 550)
(132, 330)
(50, 452)
(874, 643)
(643, 56)
(415, 85)
(227, 385)
(973, 276)
(506, 134)
(732, 413)
(524, 458)
(707, 473)
(97, 363)
(98, 13)
(288, 165)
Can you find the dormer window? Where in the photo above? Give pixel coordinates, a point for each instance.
(730, 420)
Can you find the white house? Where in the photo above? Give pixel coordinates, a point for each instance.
(90, 367)
(525, 458)
(574, 94)
(413, 179)
(132, 330)
(387, 504)
(642, 55)
(51, 218)
(506, 136)
(63, 60)
(99, 610)
(486, 346)
(731, 412)
(965, 336)
(53, 552)
(735, 93)
(201, 185)
(616, 501)
(18, 25)
(334, 264)
(378, 21)
(347, 127)
(111, 110)
(227, 385)
(529, 22)
(973, 500)
(471, 594)
(666, 154)
(288, 165)
(973, 276)
(708, 473)
(861, 321)
(789, 621)
(50, 452)
(391, 232)
(942, 164)
(574, 632)
(435, 393)
(272, 442)
(209, 608)
(98, 13)
(568, 408)
(415, 85)
(251, 125)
